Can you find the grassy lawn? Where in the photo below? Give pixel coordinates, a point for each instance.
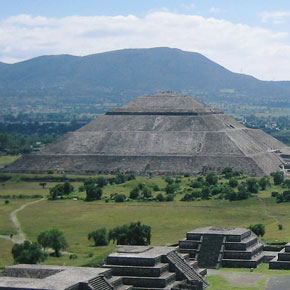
(169, 220)
(5, 253)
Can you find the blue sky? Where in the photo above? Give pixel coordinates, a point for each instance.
(245, 36)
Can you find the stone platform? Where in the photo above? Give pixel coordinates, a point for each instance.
(213, 247)
(282, 261)
(155, 268)
(43, 277)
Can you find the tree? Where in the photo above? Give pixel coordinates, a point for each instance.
(99, 236)
(278, 177)
(146, 192)
(233, 182)
(160, 197)
(134, 193)
(101, 181)
(120, 197)
(67, 188)
(264, 182)
(93, 192)
(252, 185)
(53, 239)
(28, 253)
(133, 234)
(258, 229)
(211, 179)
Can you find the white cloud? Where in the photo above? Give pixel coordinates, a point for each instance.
(253, 50)
(215, 10)
(276, 17)
(188, 6)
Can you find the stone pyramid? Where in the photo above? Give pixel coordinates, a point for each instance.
(162, 134)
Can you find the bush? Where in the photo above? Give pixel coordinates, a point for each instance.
(100, 237)
(280, 227)
(264, 183)
(169, 180)
(196, 184)
(133, 234)
(93, 192)
(146, 192)
(73, 256)
(82, 188)
(28, 253)
(6, 201)
(205, 193)
(156, 187)
(120, 197)
(170, 197)
(258, 229)
(233, 182)
(160, 197)
(278, 177)
(252, 185)
(274, 193)
(134, 193)
(186, 175)
(211, 179)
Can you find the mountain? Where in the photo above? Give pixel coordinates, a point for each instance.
(119, 76)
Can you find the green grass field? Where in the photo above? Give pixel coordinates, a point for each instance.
(169, 220)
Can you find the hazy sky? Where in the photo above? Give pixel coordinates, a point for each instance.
(251, 37)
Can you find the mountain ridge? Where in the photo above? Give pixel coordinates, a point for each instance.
(120, 75)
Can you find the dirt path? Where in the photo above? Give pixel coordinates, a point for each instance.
(20, 236)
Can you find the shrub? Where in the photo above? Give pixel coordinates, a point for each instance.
(120, 197)
(186, 175)
(146, 192)
(160, 197)
(258, 229)
(93, 192)
(278, 177)
(252, 185)
(274, 193)
(73, 256)
(156, 187)
(233, 182)
(196, 184)
(134, 193)
(170, 197)
(280, 227)
(211, 179)
(28, 253)
(133, 234)
(264, 182)
(7, 201)
(100, 237)
(169, 180)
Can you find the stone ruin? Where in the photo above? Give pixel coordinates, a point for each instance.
(147, 267)
(162, 134)
(282, 261)
(214, 247)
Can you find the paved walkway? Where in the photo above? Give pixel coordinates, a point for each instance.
(20, 236)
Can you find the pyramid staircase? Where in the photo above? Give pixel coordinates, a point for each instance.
(166, 271)
(214, 249)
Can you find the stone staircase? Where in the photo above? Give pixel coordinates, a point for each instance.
(99, 283)
(184, 270)
(226, 247)
(154, 268)
(210, 253)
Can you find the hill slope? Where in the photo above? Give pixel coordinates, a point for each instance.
(118, 76)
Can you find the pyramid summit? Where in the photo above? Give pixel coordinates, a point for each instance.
(162, 134)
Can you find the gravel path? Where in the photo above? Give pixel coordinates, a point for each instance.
(20, 236)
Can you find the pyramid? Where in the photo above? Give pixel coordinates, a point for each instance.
(161, 134)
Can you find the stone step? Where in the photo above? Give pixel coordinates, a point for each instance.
(116, 281)
(148, 271)
(150, 282)
(240, 263)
